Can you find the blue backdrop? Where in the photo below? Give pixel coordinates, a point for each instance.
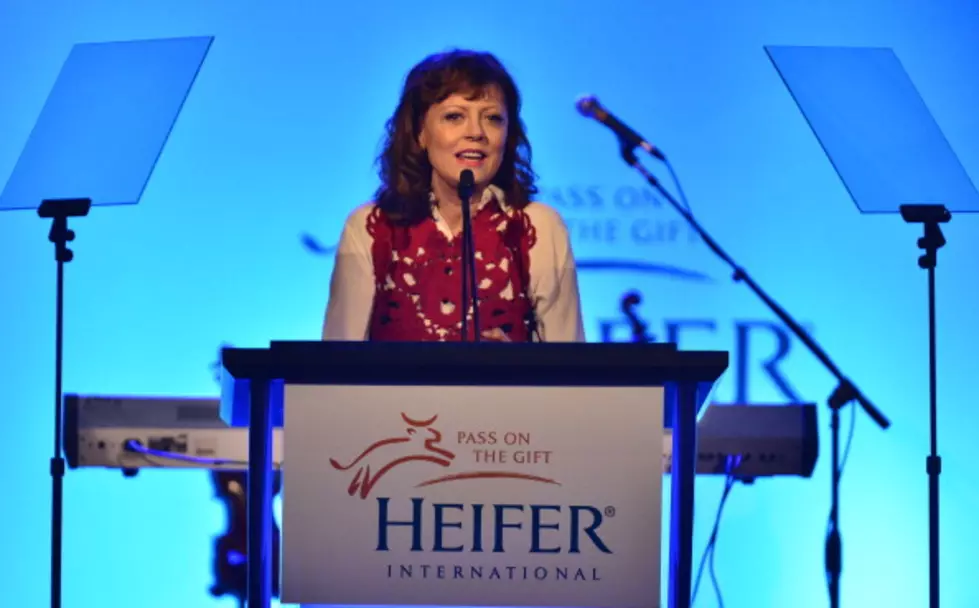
(276, 141)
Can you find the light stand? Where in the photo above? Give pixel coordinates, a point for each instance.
(845, 391)
(930, 216)
(58, 211)
(468, 262)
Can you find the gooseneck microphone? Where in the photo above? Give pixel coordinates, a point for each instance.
(467, 183)
(589, 107)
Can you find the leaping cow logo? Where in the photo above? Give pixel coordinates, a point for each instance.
(379, 458)
(364, 481)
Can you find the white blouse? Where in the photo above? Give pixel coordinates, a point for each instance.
(553, 275)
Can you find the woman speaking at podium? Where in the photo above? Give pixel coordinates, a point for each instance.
(398, 269)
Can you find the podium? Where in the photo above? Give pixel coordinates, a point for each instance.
(476, 474)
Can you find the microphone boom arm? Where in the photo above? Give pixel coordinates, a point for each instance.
(846, 391)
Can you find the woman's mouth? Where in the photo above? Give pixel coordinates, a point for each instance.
(471, 158)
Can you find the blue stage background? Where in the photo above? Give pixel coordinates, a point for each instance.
(276, 141)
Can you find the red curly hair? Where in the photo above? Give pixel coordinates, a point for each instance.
(404, 170)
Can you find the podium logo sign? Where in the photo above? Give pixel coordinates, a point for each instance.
(472, 496)
(417, 446)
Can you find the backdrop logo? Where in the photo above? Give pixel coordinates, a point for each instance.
(420, 443)
(602, 218)
(626, 229)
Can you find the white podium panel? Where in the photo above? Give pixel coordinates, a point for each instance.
(472, 496)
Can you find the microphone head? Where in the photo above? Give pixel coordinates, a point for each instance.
(587, 104)
(467, 182)
(630, 301)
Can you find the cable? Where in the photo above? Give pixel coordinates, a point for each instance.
(732, 461)
(133, 445)
(849, 439)
(707, 559)
(843, 459)
(731, 465)
(676, 184)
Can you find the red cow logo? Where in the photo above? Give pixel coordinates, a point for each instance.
(420, 443)
(364, 480)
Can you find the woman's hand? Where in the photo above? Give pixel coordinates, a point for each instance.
(496, 335)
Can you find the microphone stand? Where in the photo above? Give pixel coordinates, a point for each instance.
(844, 393)
(468, 262)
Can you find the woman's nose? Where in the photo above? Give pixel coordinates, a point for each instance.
(474, 130)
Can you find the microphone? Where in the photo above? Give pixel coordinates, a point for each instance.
(467, 183)
(630, 301)
(589, 107)
(638, 327)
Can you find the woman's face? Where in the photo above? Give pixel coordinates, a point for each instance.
(461, 133)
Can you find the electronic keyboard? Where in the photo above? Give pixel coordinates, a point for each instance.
(131, 433)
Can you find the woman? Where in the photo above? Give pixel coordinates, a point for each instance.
(398, 265)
